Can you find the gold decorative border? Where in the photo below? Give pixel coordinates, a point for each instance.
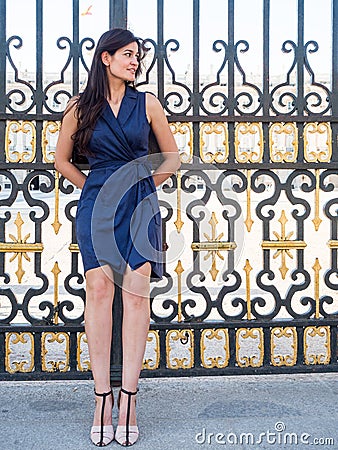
(150, 364)
(24, 126)
(81, 337)
(184, 336)
(18, 366)
(288, 359)
(184, 128)
(312, 128)
(215, 361)
(249, 128)
(250, 361)
(217, 128)
(277, 155)
(52, 127)
(55, 365)
(314, 359)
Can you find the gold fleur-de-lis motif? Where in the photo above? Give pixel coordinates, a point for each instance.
(283, 244)
(213, 245)
(179, 270)
(213, 222)
(20, 247)
(19, 240)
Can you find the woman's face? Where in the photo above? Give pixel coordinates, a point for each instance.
(123, 63)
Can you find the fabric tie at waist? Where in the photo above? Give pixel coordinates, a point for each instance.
(127, 202)
(115, 165)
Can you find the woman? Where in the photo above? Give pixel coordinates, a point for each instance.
(110, 123)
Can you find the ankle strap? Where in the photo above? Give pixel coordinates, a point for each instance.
(128, 392)
(104, 393)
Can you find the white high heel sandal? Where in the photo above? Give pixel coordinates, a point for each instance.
(102, 435)
(126, 435)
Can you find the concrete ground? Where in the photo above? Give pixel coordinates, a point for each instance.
(235, 412)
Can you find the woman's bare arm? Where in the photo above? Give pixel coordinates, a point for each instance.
(165, 139)
(64, 149)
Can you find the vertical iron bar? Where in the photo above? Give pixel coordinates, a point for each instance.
(197, 347)
(2, 352)
(334, 78)
(232, 347)
(37, 352)
(231, 77)
(196, 75)
(333, 344)
(2, 76)
(118, 15)
(266, 346)
(160, 52)
(117, 19)
(72, 352)
(163, 351)
(266, 76)
(39, 95)
(300, 77)
(196, 56)
(116, 353)
(300, 346)
(75, 47)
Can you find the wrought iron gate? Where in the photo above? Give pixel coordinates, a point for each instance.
(250, 219)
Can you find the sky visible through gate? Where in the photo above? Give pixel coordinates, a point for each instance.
(142, 15)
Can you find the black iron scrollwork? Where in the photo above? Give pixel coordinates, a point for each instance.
(27, 104)
(245, 99)
(180, 105)
(285, 99)
(220, 106)
(316, 98)
(61, 80)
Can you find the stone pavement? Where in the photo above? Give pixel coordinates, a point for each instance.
(235, 412)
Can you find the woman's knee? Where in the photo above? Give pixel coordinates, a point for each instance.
(135, 302)
(98, 285)
(136, 283)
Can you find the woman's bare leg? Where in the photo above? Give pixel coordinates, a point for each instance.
(98, 326)
(135, 326)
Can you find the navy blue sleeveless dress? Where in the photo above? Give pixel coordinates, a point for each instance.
(118, 221)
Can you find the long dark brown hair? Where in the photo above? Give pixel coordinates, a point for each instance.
(90, 102)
